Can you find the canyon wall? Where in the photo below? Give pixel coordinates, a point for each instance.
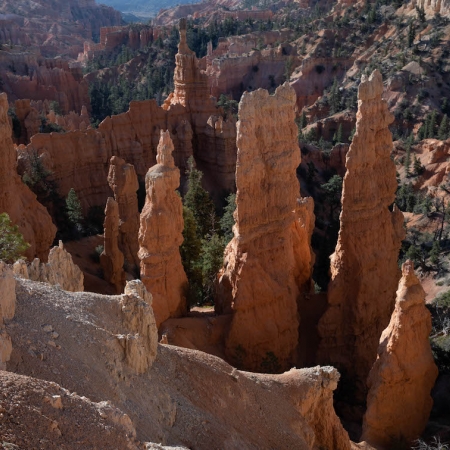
(17, 200)
(364, 271)
(400, 381)
(268, 263)
(160, 236)
(29, 76)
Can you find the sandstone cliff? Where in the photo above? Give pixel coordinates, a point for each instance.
(112, 258)
(160, 236)
(364, 271)
(17, 200)
(60, 270)
(268, 263)
(400, 381)
(123, 181)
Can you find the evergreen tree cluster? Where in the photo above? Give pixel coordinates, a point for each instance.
(12, 242)
(205, 238)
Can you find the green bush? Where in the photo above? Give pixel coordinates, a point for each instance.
(12, 243)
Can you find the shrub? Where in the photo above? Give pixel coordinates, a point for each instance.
(12, 243)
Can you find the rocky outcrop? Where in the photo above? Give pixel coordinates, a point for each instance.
(61, 418)
(364, 271)
(59, 271)
(180, 388)
(123, 181)
(7, 310)
(112, 258)
(17, 200)
(268, 263)
(400, 381)
(140, 346)
(160, 236)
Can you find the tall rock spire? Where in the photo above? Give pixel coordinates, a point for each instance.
(400, 382)
(160, 236)
(123, 181)
(263, 277)
(364, 271)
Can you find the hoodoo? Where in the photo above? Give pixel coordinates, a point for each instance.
(160, 236)
(123, 181)
(364, 271)
(400, 382)
(112, 258)
(263, 277)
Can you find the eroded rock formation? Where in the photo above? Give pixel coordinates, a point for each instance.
(268, 263)
(160, 236)
(140, 346)
(400, 381)
(112, 258)
(180, 388)
(123, 181)
(80, 159)
(60, 270)
(364, 271)
(17, 200)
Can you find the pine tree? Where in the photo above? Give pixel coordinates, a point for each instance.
(227, 220)
(337, 138)
(12, 242)
(303, 120)
(411, 34)
(190, 252)
(212, 260)
(431, 132)
(435, 252)
(74, 211)
(199, 201)
(443, 129)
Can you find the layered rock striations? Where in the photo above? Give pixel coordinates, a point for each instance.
(268, 263)
(160, 236)
(123, 181)
(364, 271)
(17, 200)
(59, 270)
(400, 381)
(112, 258)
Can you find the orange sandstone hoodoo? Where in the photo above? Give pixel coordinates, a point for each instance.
(123, 181)
(400, 382)
(268, 263)
(160, 236)
(364, 271)
(112, 258)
